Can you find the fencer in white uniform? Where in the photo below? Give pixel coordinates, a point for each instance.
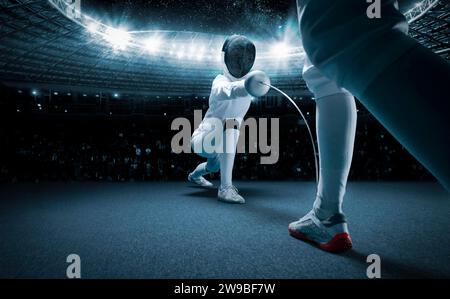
(229, 102)
(325, 225)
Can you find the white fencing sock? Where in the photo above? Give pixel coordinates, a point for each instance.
(336, 127)
(231, 137)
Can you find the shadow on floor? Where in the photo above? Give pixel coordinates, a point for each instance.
(212, 192)
(255, 205)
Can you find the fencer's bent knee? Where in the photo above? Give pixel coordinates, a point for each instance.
(206, 143)
(197, 144)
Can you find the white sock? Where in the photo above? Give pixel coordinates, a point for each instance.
(336, 127)
(231, 137)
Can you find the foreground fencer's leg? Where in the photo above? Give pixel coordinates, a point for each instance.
(336, 128)
(403, 84)
(227, 192)
(336, 118)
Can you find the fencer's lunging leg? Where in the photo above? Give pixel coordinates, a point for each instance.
(336, 127)
(231, 137)
(227, 192)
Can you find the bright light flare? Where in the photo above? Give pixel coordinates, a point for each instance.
(117, 37)
(180, 53)
(92, 27)
(200, 53)
(192, 51)
(153, 44)
(280, 50)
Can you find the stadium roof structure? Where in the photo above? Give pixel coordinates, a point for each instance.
(43, 44)
(429, 24)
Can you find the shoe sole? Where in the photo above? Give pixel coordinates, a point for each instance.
(231, 202)
(340, 242)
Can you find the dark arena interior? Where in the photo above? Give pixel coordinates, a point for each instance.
(87, 167)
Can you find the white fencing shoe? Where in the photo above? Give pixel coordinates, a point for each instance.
(330, 234)
(201, 181)
(230, 194)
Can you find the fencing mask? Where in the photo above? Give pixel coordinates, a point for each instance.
(239, 55)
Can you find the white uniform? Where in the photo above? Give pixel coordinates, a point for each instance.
(218, 134)
(228, 100)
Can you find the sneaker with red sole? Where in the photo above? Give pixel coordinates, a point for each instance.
(330, 234)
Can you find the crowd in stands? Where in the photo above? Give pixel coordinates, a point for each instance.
(125, 150)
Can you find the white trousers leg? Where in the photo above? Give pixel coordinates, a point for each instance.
(231, 137)
(336, 127)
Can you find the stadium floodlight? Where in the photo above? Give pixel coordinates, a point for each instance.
(152, 44)
(192, 50)
(280, 50)
(180, 53)
(118, 38)
(173, 47)
(200, 53)
(92, 27)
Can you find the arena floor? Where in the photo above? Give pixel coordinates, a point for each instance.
(174, 230)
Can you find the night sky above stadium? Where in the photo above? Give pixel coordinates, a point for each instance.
(264, 18)
(259, 17)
